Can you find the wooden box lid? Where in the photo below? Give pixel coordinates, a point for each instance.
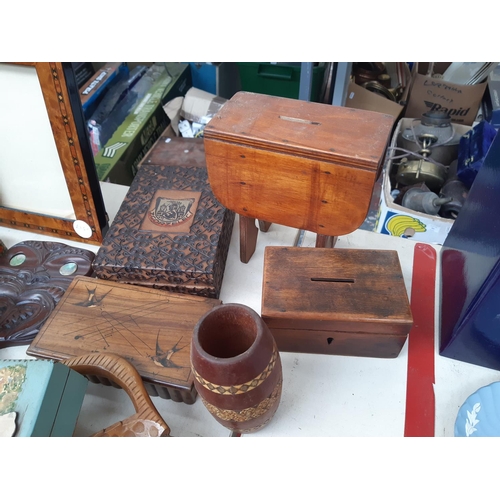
(318, 131)
(348, 290)
(170, 232)
(150, 328)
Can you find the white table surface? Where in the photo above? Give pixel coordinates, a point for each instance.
(323, 395)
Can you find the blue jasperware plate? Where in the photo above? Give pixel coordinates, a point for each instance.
(479, 416)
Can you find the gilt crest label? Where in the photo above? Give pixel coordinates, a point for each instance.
(171, 211)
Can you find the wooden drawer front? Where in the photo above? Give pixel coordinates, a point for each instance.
(373, 345)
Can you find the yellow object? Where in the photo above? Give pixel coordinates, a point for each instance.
(398, 224)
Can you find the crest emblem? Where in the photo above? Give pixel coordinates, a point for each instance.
(170, 212)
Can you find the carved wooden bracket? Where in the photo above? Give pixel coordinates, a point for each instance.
(146, 422)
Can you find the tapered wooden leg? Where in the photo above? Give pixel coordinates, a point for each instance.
(264, 226)
(323, 241)
(248, 238)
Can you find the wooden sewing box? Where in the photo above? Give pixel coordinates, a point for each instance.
(336, 301)
(150, 328)
(300, 164)
(170, 232)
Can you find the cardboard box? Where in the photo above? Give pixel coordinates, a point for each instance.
(197, 106)
(118, 160)
(200, 106)
(360, 98)
(461, 102)
(396, 220)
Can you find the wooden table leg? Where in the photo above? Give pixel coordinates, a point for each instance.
(264, 226)
(248, 238)
(323, 241)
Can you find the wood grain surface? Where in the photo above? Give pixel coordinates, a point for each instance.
(337, 301)
(300, 164)
(150, 328)
(176, 152)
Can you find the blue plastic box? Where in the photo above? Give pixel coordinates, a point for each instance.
(220, 79)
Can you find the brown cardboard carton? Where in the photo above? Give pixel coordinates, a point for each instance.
(361, 98)
(393, 219)
(434, 94)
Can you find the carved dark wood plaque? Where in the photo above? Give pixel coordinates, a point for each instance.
(33, 277)
(170, 233)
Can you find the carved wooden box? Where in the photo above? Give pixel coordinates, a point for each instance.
(300, 164)
(336, 301)
(170, 233)
(150, 328)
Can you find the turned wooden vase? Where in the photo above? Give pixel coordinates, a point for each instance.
(237, 367)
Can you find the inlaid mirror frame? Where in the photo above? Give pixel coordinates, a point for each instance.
(60, 93)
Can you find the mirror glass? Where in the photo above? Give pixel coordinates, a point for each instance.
(31, 175)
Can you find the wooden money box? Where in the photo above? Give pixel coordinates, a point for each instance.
(300, 164)
(336, 301)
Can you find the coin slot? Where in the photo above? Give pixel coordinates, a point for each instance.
(334, 280)
(298, 120)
